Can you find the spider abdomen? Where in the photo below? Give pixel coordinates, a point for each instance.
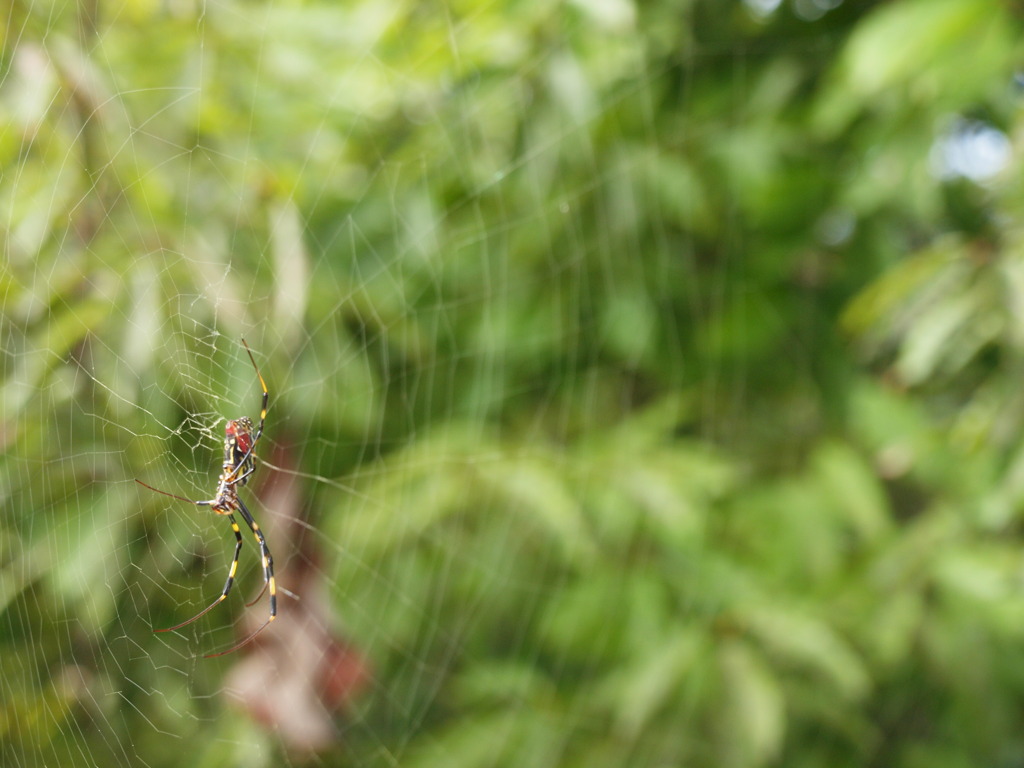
(238, 442)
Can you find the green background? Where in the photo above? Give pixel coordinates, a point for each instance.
(646, 381)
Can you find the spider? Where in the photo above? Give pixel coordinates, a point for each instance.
(239, 463)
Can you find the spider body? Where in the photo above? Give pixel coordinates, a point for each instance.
(239, 463)
(238, 444)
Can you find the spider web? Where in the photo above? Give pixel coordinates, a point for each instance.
(476, 275)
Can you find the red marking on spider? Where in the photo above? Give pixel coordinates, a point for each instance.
(242, 435)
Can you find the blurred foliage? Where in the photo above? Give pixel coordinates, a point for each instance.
(652, 371)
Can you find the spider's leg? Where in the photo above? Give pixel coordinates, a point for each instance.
(227, 584)
(174, 495)
(268, 578)
(240, 478)
(234, 561)
(256, 599)
(263, 414)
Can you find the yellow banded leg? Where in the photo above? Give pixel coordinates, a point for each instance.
(268, 576)
(227, 584)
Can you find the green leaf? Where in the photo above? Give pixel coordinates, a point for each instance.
(656, 680)
(806, 641)
(852, 485)
(755, 713)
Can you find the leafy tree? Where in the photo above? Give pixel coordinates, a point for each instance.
(647, 375)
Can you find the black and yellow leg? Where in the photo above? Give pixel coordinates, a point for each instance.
(263, 415)
(227, 584)
(240, 480)
(268, 578)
